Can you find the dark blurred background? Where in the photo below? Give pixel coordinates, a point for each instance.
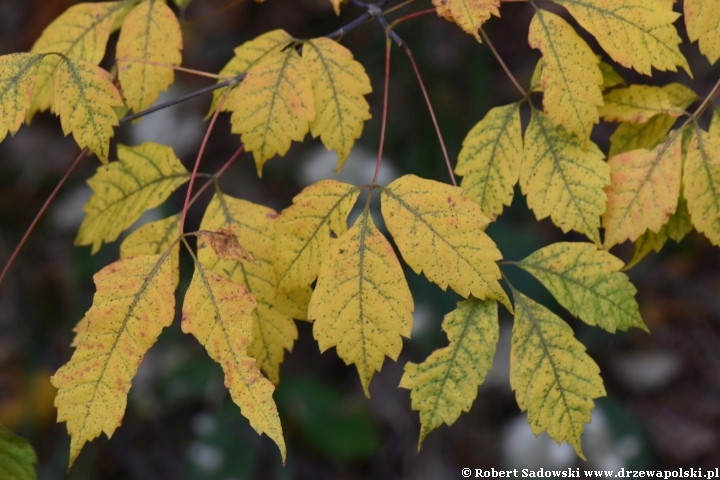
(663, 403)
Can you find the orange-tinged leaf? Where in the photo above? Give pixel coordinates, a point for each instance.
(490, 159)
(701, 180)
(142, 179)
(273, 106)
(362, 304)
(225, 244)
(468, 14)
(637, 34)
(439, 232)
(84, 100)
(150, 35)
(155, 238)
(637, 104)
(18, 72)
(561, 179)
(218, 312)
(644, 190)
(702, 18)
(134, 301)
(307, 229)
(339, 83)
(80, 33)
(570, 77)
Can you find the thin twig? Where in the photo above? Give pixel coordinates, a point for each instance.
(216, 175)
(502, 64)
(384, 113)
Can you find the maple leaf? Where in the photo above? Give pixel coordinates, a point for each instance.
(701, 178)
(80, 33)
(307, 229)
(637, 104)
(218, 312)
(273, 106)
(570, 77)
(155, 238)
(439, 232)
(273, 330)
(362, 303)
(150, 36)
(17, 456)
(18, 72)
(490, 159)
(468, 14)
(702, 18)
(561, 179)
(643, 191)
(553, 378)
(588, 283)
(635, 33)
(143, 178)
(446, 383)
(339, 83)
(134, 301)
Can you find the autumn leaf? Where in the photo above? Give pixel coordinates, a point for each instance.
(224, 242)
(611, 78)
(362, 304)
(643, 192)
(561, 179)
(218, 312)
(307, 229)
(702, 18)
(468, 14)
(490, 159)
(247, 55)
(570, 77)
(80, 33)
(150, 36)
(446, 383)
(155, 238)
(339, 83)
(439, 232)
(714, 128)
(17, 79)
(134, 301)
(587, 282)
(637, 34)
(273, 106)
(17, 457)
(84, 97)
(553, 378)
(336, 6)
(637, 104)
(701, 180)
(143, 178)
(273, 330)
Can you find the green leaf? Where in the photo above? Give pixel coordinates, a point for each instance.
(17, 457)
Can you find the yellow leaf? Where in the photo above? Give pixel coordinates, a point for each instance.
(155, 238)
(468, 14)
(643, 192)
(80, 33)
(142, 179)
(701, 180)
(307, 229)
(714, 128)
(637, 34)
(273, 331)
(561, 179)
(84, 97)
(439, 231)
(702, 18)
(336, 6)
(362, 303)
(17, 79)
(553, 378)
(273, 106)
(339, 83)
(611, 78)
(80, 329)
(490, 159)
(218, 312)
(587, 282)
(247, 55)
(18, 457)
(150, 35)
(570, 77)
(637, 104)
(446, 383)
(295, 303)
(134, 301)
